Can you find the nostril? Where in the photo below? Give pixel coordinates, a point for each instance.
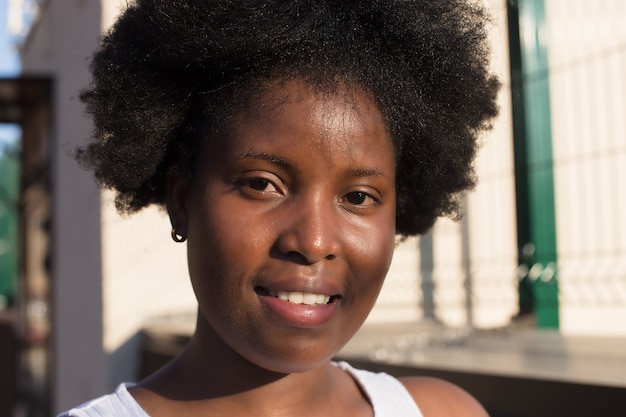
(293, 254)
(304, 259)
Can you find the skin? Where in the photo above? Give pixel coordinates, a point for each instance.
(299, 197)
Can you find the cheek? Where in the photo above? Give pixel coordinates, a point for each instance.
(226, 243)
(214, 244)
(375, 251)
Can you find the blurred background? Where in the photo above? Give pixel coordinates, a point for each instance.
(522, 302)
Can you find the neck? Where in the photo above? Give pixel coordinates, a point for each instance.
(210, 373)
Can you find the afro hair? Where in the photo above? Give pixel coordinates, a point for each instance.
(170, 71)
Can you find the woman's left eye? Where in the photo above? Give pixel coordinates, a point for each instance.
(360, 198)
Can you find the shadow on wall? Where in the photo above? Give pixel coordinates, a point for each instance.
(143, 354)
(124, 362)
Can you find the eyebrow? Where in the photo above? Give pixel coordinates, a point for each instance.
(359, 172)
(264, 156)
(366, 172)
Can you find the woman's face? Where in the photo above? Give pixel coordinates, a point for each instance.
(290, 225)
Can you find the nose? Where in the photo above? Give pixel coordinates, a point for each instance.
(309, 232)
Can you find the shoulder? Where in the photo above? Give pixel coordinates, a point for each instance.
(440, 398)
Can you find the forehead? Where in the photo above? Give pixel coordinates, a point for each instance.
(338, 111)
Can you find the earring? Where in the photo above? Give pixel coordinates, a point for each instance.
(176, 237)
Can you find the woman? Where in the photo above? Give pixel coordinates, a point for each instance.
(291, 142)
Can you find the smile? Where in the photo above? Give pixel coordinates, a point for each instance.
(297, 297)
(307, 298)
(299, 309)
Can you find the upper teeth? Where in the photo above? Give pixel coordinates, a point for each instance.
(298, 297)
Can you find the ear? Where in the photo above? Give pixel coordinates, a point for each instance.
(178, 185)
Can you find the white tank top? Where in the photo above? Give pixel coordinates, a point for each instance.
(389, 398)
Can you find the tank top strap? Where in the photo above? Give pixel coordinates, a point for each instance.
(388, 396)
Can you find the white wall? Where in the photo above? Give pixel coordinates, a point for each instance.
(491, 213)
(587, 59)
(144, 276)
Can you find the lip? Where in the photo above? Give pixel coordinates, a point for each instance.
(301, 315)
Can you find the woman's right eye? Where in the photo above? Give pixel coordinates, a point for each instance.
(258, 185)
